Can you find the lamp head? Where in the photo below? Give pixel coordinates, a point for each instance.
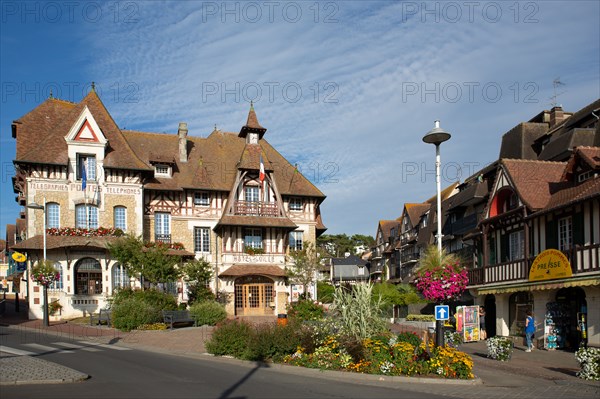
(437, 135)
(34, 205)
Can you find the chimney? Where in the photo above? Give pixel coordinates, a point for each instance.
(556, 116)
(182, 133)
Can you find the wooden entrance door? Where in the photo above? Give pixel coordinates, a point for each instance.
(254, 296)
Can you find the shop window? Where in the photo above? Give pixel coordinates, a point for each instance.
(88, 277)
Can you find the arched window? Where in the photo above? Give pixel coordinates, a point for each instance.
(86, 216)
(120, 277)
(120, 217)
(52, 215)
(88, 277)
(58, 284)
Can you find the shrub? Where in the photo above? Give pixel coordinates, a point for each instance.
(230, 338)
(325, 292)
(208, 312)
(305, 310)
(131, 313)
(499, 348)
(272, 342)
(420, 317)
(589, 361)
(409, 337)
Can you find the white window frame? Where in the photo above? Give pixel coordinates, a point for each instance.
(120, 221)
(86, 216)
(90, 167)
(251, 194)
(296, 204)
(296, 240)
(58, 284)
(250, 235)
(162, 170)
(52, 215)
(201, 239)
(120, 277)
(201, 198)
(565, 233)
(162, 223)
(516, 245)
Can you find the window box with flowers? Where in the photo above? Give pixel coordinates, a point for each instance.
(55, 308)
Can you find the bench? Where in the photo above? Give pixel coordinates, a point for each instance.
(178, 316)
(103, 316)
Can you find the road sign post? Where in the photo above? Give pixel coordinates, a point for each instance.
(442, 312)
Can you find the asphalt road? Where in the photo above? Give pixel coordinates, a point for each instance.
(134, 373)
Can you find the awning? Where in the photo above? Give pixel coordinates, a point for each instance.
(539, 286)
(247, 270)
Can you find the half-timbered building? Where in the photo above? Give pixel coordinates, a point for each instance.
(230, 198)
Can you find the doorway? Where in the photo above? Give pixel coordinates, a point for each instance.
(254, 296)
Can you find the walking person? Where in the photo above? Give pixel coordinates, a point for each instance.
(529, 330)
(482, 332)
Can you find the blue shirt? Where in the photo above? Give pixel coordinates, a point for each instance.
(531, 325)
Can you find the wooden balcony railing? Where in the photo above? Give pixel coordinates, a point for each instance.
(165, 238)
(250, 208)
(583, 259)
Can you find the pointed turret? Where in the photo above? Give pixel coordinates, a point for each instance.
(252, 131)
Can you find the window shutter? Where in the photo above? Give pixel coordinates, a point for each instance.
(578, 238)
(504, 247)
(551, 234)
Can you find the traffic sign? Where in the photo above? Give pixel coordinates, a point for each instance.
(442, 312)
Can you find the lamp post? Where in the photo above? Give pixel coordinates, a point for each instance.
(437, 136)
(45, 305)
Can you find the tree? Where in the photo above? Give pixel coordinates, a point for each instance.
(197, 275)
(338, 244)
(304, 266)
(149, 260)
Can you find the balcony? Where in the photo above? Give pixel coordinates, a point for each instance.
(405, 238)
(583, 259)
(164, 238)
(251, 208)
(409, 256)
(462, 225)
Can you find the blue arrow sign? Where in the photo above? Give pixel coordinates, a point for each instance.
(442, 312)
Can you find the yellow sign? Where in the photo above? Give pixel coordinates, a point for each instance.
(549, 265)
(19, 257)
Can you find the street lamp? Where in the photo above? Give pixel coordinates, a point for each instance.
(437, 136)
(45, 306)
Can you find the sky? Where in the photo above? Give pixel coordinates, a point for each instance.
(346, 89)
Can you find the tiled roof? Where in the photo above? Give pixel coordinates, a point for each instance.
(532, 179)
(386, 227)
(415, 211)
(588, 189)
(246, 270)
(350, 260)
(591, 156)
(42, 134)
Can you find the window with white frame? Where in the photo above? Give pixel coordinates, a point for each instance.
(296, 204)
(52, 215)
(296, 239)
(89, 163)
(162, 226)
(201, 239)
(516, 245)
(58, 284)
(253, 238)
(251, 193)
(120, 217)
(162, 170)
(120, 277)
(86, 216)
(565, 233)
(201, 198)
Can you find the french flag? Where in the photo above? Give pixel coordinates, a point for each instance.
(261, 173)
(83, 175)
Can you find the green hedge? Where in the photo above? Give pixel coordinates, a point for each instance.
(208, 313)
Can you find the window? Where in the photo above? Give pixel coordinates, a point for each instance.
(585, 175)
(52, 215)
(89, 163)
(253, 238)
(120, 217)
(201, 239)
(296, 204)
(251, 193)
(58, 284)
(565, 233)
(296, 240)
(516, 245)
(202, 199)
(162, 227)
(120, 277)
(162, 170)
(88, 277)
(86, 216)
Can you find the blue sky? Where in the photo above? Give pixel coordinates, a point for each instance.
(346, 89)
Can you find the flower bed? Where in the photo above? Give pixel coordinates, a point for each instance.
(499, 348)
(71, 232)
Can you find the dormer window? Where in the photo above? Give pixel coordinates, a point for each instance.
(201, 199)
(162, 170)
(87, 162)
(296, 204)
(585, 176)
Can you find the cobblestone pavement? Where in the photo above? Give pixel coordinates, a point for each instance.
(539, 374)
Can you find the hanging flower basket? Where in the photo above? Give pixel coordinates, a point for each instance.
(442, 283)
(44, 273)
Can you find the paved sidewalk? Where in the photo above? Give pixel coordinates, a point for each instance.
(556, 368)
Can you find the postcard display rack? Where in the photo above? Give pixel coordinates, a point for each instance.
(467, 322)
(557, 316)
